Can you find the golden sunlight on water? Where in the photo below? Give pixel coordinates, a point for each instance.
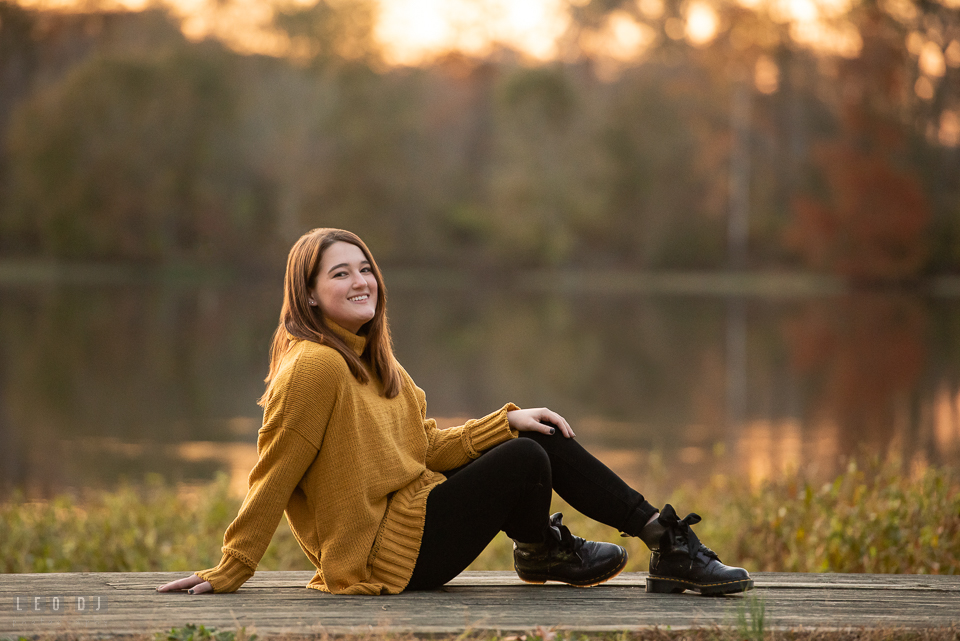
(762, 450)
(946, 423)
(757, 451)
(412, 31)
(770, 449)
(235, 459)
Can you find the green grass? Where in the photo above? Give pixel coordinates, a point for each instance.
(192, 632)
(869, 519)
(752, 618)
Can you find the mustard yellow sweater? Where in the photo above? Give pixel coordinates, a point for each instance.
(352, 470)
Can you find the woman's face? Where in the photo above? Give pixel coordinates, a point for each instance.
(346, 288)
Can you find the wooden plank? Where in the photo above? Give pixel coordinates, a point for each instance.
(782, 580)
(277, 603)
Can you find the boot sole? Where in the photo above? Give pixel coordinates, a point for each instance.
(536, 579)
(667, 585)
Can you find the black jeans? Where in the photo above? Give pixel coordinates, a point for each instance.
(509, 488)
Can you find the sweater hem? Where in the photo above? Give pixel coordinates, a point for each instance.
(399, 544)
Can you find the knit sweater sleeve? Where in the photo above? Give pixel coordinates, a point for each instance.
(294, 422)
(456, 446)
(284, 459)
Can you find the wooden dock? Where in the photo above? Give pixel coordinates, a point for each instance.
(274, 603)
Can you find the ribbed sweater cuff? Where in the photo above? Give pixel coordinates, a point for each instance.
(228, 576)
(490, 430)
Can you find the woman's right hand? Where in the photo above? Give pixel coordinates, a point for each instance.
(192, 584)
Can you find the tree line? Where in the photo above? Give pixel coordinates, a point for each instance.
(122, 141)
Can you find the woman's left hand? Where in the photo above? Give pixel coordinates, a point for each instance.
(541, 420)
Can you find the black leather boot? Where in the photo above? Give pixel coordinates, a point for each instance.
(682, 562)
(567, 558)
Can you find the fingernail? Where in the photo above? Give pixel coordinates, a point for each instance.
(552, 430)
(190, 591)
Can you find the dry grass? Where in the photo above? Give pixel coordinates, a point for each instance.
(877, 518)
(874, 518)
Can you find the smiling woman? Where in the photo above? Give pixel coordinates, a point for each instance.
(382, 501)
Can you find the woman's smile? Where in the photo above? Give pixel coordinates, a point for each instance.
(346, 289)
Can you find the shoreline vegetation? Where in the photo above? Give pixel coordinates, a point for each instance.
(772, 283)
(881, 517)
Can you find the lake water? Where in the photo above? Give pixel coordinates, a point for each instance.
(104, 382)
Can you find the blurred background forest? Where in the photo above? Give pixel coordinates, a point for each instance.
(655, 134)
(719, 234)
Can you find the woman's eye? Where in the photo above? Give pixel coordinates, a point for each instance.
(366, 270)
(339, 274)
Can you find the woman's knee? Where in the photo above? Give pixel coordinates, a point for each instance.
(548, 442)
(523, 456)
(560, 448)
(524, 449)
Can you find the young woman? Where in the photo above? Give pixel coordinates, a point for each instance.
(382, 501)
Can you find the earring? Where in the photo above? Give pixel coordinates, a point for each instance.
(313, 302)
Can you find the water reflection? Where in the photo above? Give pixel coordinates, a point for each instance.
(102, 382)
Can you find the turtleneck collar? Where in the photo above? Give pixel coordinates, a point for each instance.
(353, 341)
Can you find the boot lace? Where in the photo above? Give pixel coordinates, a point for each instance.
(681, 530)
(566, 541)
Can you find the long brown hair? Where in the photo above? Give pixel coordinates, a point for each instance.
(306, 322)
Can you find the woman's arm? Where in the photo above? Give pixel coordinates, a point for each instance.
(284, 460)
(456, 446)
(285, 456)
(294, 423)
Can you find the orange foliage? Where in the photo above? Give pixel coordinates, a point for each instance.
(870, 221)
(874, 225)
